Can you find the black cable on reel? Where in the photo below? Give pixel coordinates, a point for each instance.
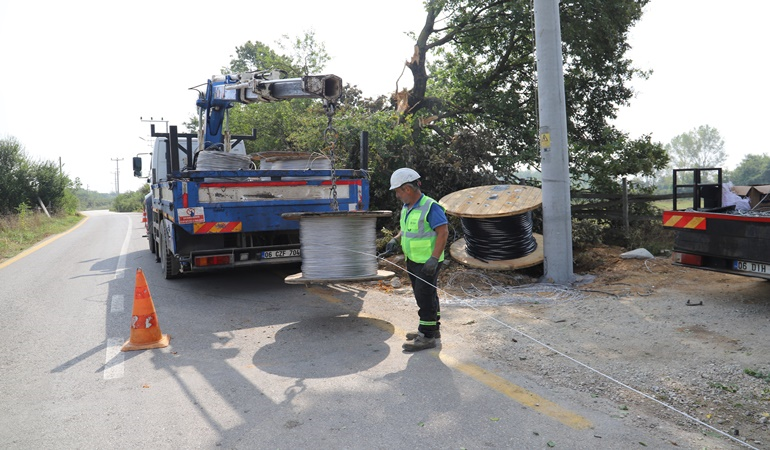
(499, 238)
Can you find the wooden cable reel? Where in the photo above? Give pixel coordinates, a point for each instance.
(504, 209)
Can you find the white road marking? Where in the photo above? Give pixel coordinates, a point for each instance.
(113, 359)
(121, 268)
(116, 306)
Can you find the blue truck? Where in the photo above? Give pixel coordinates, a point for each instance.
(212, 206)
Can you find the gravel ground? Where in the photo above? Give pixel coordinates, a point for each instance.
(673, 348)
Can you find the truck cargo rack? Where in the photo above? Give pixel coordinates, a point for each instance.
(709, 192)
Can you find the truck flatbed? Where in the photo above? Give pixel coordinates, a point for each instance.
(721, 239)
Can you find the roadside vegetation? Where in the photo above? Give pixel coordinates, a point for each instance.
(27, 227)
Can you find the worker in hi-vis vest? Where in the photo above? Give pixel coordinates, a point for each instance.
(423, 236)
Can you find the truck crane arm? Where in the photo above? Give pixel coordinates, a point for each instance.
(222, 91)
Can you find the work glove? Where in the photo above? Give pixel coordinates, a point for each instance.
(430, 266)
(391, 246)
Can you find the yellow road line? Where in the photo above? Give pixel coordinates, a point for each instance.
(40, 245)
(517, 393)
(324, 294)
(495, 382)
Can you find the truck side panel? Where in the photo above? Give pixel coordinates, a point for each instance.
(717, 241)
(728, 239)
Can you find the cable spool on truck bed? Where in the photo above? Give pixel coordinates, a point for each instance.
(498, 226)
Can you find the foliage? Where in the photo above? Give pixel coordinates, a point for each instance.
(284, 126)
(27, 181)
(131, 201)
(753, 169)
(90, 200)
(50, 185)
(587, 233)
(471, 117)
(307, 56)
(700, 147)
(20, 231)
(16, 173)
(757, 374)
(483, 83)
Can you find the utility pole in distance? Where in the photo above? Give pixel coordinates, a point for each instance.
(554, 152)
(117, 174)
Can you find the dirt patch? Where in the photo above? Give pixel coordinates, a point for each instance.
(669, 345)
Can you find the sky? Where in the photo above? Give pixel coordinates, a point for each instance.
(77, 76)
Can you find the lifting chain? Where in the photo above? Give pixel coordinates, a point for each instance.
(330, 140)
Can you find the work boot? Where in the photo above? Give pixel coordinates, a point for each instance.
(413, 334)
(419, 343)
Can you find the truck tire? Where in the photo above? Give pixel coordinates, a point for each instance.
(168, 263)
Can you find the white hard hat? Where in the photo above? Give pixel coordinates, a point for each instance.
(401, 176)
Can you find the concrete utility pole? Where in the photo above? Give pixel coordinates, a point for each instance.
(117, 174)
(554, 154)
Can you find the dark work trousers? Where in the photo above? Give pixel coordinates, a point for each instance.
(427, 298)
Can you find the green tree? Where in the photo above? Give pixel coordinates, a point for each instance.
(698, 148)
(307, 54)
(16, 173)
(132, 201)
(753, 169)
(28, 182)
(51, 186)
(481, 83)
(285, 126)
(256, 56)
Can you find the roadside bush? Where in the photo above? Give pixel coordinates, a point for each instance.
(587, 232)
(131, 201)
(651, 235)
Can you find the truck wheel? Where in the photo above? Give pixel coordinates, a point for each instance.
(168, 264)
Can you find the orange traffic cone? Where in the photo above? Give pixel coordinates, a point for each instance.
(144, 216)
(145, 331)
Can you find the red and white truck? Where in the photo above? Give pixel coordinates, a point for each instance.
(714, 235)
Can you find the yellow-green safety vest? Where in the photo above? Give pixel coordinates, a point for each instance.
(417, 237)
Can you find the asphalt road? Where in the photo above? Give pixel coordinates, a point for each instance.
(253, 363)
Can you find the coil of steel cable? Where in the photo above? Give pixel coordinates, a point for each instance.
(213, 160)
(499, 238)
(338, 247)
(314, 163)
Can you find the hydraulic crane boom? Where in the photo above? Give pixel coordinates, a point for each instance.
(252, 87)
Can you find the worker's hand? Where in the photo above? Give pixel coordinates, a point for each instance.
(430, 266)
(391, 246)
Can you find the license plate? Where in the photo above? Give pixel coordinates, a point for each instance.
(748, 266)
(270, 254)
